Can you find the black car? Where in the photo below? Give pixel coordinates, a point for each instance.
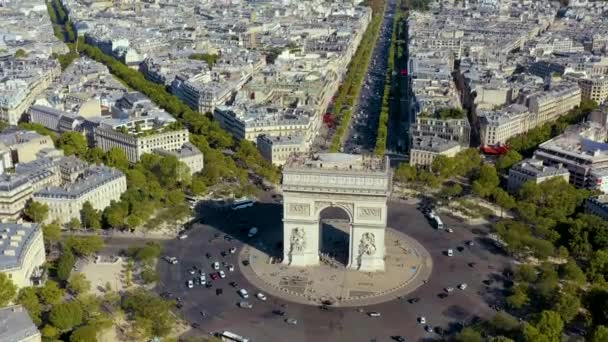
(245, 262)
(399, 338)
(234, 284)
(324, 307)
(208, 285)
(414, 300)
(208, 255)
(219, 292)
(179, 305)
(223, 254)
(278, 312)
(442, 295)
(195, 325)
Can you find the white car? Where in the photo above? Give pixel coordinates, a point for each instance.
(462, 286)
(231, 268)
(216, 265)
(449, 289)
(203, 281)
(450, 230)
(450, 252)
(183, 236)
(261, 296)
(192, 271)
(422, 320)
(190, 284)
(222, 274)
(232, 250)
(243, 293)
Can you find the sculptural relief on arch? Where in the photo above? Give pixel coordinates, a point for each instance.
(359, 185)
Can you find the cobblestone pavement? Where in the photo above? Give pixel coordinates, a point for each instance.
(407, 265)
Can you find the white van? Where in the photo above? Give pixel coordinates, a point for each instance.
(450, 252)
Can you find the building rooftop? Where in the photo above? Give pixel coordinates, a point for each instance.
(336, 161)
(433, 144)
(282, 140)
(90, 180)
(16, 324)
(14, 239)
(535, 168)
(585, 141)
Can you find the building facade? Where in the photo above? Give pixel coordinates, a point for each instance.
(425, 149)
(533, 170)
(98, 185)
(277, 149)
(23, 253)
(187, 154)
(450, 129)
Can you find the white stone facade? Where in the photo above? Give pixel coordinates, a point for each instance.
(21, 252)
(359, 185)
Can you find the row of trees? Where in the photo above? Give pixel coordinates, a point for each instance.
(348, 92)
(527, 143)
(389, 85)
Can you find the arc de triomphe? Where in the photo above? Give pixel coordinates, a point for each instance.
(360, 185)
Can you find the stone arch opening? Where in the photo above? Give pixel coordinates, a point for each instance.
(335, 229)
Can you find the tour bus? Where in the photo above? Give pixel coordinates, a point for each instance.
(242, 204)
(231, 337)
(438, 222)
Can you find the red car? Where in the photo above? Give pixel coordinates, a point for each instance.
(215, 276)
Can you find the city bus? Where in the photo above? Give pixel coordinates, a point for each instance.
(231, 337)
(242, 204)
(438, 222)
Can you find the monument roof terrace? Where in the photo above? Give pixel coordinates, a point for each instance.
(337, 162)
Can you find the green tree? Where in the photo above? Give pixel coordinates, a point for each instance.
(405, 173)
(29, 299)
(526, 273)
(507, 160)
(20, 53)
(504, 323)
(428, 179)
(66, 316)
(8, 290)
(74, 224)
(115, 214)
(600, 334)
(486, 182)
(444, 167)
(86, 333)
(503, 199)
(500, 339)
(51, 233)
(133, 221)
(73, 143)
(198, 186)
(49, 331)
(532, 334)
(79, 284)
(570, 271)
(85, 245)
(65, 264)
(596, 300)
(147, 253)
(452, 190)
(95, 155)
(598, 268)
(36, 211)
(51, 293)
(149, 275)
(551, 325)
(469, 335)
(91, 218)
(117, 158)
(519, 297)
(567, 306)
(175, 198)
(152, 313)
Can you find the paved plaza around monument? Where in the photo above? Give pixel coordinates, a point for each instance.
(408, 265)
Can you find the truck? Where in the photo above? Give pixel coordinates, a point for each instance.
(437, 221)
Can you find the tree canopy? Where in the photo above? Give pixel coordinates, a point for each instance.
(8, 289)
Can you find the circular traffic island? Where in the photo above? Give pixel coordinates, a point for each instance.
(407, 266)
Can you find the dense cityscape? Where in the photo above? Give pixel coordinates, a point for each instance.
(315, 170)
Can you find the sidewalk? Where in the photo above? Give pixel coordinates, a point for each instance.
(127, 235)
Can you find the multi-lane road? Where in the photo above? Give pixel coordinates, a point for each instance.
(211, 312)
(361, 136)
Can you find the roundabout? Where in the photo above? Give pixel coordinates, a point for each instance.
(407, 266)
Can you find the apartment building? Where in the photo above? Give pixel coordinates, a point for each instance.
(135, 146)
(497, 126)
(450, 129)
(277, 149)
(581, 149)
(533, 170)
(594, 88)
(98, 185)
(553, 103)
(187, 154)
(17, 325)
(22, 253)
(425, 149)
(25, 145)
(598, 206)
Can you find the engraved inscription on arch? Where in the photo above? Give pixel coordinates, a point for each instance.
(369, 213)
(300, 209)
